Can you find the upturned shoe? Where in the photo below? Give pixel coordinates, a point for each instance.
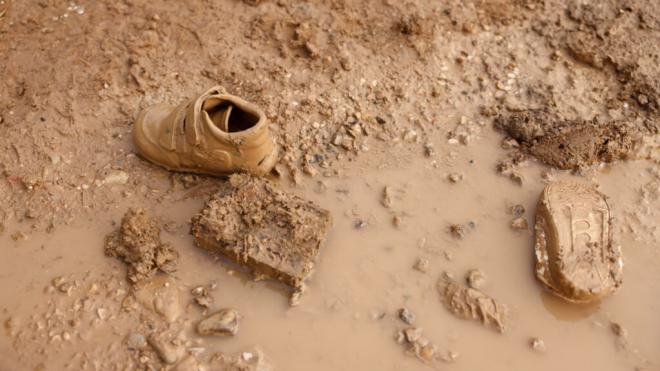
(213, 133)
(576, 257)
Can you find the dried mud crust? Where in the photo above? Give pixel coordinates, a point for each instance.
(576, 257)
(472, 304)
(137, 242)
(573, 144)
(253, 223)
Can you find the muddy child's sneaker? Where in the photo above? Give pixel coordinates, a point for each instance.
(576, 258)
(213, 133)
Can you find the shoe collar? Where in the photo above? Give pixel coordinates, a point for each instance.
(198, 122)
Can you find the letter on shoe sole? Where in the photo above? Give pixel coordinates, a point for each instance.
(576, 258)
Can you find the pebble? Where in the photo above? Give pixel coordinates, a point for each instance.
(537, 344)
(410, 136)
(222, 323)
(135, 341)
(422, 265)
(449, 356)
(360, 224)
(397, 221)
(429, 150)
(517, 210)
(519, 223)
(115, 177)
(455, 177)
(201, 296)
(406, 316)
(475, 279)
(457, 230)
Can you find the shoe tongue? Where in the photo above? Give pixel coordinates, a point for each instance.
(219, 116)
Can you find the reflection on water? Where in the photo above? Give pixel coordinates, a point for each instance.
(567, 311)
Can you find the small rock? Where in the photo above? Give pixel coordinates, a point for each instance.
(410, 136)
(412, 334)
(360, 224)
(422, 265)
(537, 344)
(387, 197)
(222, 323)
(429, 150)
(397, 221)
(426, 352)
(55, 159)
(136, 341)
(115, 177)
(102, 313)
(201, 296)
(62, 285)
(455, 177)
(519, 223)
(457, 230)
(517, 210)
(449, 356)
(517, 178)
(406, 316)
(475, 278)
(509, 143)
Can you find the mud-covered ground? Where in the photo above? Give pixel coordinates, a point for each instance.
(359, 94)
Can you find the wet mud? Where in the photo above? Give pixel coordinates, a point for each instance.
(384, 114)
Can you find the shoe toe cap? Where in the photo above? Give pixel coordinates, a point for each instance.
(148, 129)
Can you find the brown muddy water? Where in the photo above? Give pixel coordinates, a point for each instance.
(348, 318)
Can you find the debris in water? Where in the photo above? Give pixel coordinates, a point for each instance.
(222, 323)
(468, 303)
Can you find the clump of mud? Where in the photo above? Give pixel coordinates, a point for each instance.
(472, 304)
(137, 242)
(253, 223)
(571, 144)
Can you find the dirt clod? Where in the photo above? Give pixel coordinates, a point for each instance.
(252, 222)
(137, 242)
(468, 303)
(571, 143)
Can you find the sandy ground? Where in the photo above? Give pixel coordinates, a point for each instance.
(361, 95)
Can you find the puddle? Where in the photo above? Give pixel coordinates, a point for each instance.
(347, 320)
